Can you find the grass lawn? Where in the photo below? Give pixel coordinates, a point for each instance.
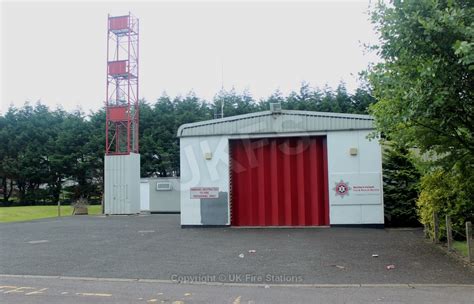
(460, 247)
(26, 213)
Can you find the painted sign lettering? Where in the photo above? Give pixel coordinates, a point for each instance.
(204, 192)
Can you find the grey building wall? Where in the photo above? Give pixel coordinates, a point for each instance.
(122, 184)
(163, 199)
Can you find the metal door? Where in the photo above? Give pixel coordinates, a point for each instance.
(279, 182)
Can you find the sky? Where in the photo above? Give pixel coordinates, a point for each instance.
(55, 52)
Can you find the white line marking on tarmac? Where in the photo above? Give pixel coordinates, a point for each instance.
(19, 289)
(38, 242)
(93, 294)
(39, 291)
(8, 286)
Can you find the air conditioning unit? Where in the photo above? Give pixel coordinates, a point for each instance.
(275, 107)
(163, 186)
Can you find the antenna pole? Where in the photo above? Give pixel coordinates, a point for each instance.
(222, 109)
(222, 88)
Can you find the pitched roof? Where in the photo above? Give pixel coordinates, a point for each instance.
(285, 121)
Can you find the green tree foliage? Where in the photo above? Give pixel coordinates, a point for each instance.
(425, 88)
(159, 146)
(400, 187)
(47, 155)
(75, 155)
(425, 84)
(327, 100)
(34, 131)
(446, 193)
(234, 103)
(41, 150)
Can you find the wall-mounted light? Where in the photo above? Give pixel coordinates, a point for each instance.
(353, 151)
(208, 155)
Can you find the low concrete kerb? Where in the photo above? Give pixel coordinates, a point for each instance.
(408, 285)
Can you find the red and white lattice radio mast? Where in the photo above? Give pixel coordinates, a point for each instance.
(122, 161)
(121, 130)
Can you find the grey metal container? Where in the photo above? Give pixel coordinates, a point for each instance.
(164, 195)
(122, 184)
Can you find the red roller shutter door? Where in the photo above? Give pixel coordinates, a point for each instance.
(279, 182)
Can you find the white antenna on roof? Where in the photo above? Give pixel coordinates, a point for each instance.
(222, 87)
(222, 75)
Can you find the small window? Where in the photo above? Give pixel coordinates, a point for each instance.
(163, 186)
